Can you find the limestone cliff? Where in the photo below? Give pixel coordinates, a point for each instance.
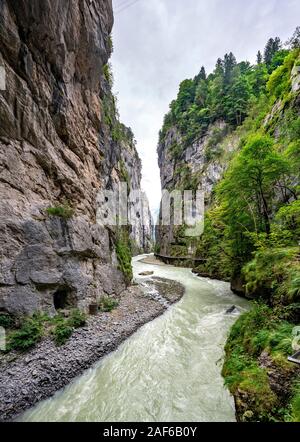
(199, 165)
(57, 150)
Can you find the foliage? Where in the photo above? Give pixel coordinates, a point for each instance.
(110, 43)
(279, 82)
(77, 318)
(64, 211)
(247, 193)
(157, 248)
(295, 404)
(274, 273)
(107, 304)
(226, 94)
(29, 334)
(288, 218)
(123, 252)
(178, 250)
(64, 327)
(260, 331)
(213, 247)
(252, 228)
(62, 332)
(294, 41)
(33, 328)
(108, 75)
(124, 174)
(272, 47)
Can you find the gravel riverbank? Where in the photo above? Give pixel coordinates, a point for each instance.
(28, 378)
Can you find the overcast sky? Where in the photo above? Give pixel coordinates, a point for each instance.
(159, 43)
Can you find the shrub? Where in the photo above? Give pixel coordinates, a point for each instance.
(107, 304)
(64, 327)
(108, 75)
(274, 272)
(29, 334)
(64, 211)
(257, 331)
(77, 319)
(62, 332)
(279, 82)
(124, 257)
(289, 218)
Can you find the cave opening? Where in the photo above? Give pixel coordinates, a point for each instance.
(63, 298)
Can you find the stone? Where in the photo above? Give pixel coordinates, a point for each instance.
(148, 273)
(230, 310)
(112, 280)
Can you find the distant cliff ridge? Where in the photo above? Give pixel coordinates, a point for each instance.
(60, 143)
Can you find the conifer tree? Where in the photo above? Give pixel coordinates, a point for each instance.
(259, 58)
(272, 46)
(294, 41)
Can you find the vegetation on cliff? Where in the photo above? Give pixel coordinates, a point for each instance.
(252, 225)
(256, 370)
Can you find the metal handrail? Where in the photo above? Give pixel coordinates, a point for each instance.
(295, 358)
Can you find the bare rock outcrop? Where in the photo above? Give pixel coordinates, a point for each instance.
(197, 166)
(57, 150)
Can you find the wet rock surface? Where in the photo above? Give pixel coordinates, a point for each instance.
(162, 290)
(28, 378)
(149, 273)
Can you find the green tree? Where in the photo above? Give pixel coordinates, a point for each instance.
(272, 46)
(248, 191)
(201, 93)
(259, 58)
(237, 101)
(201, 75)
(258, 79)
(185, 97)
(229, 64)
(294, 41)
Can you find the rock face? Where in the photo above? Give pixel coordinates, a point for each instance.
(57, 149)
(198, 166)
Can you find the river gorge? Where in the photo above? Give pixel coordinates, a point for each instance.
(169, 370)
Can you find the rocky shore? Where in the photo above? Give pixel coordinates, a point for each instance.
(25, 379)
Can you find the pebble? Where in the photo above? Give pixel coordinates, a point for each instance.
(40, 368)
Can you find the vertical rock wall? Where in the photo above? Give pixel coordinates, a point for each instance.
(56, 150)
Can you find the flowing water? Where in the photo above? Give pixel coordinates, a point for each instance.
(170, 370)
